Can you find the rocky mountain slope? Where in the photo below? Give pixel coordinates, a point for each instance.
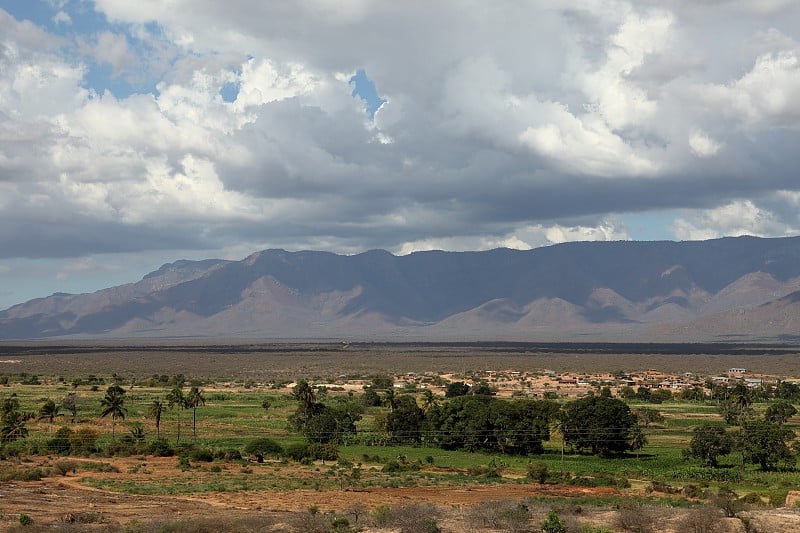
(719, 289)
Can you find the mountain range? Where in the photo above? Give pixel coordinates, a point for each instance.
(724, 289)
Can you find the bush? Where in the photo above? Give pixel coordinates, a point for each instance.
(23, 474)
(25, 520)
(62, 468)
(394, 466)
(83, 441)
(323, 452)
(232, 454)
(538, 471)
(263, 447)
(161, 448)
(505, 516)
(554, 523)
(183, 463)
(296, 452)
(699, 521)
(60, 443)
(419, 518)
(751, 498)
(202, 455)
(726, 500)
(635, 519)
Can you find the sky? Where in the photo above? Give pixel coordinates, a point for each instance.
(134, 134)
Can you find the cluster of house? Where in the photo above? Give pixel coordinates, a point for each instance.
(572, 384)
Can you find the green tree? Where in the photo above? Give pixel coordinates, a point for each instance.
(262, 447)
(429, 400)
(602, 425)
(175, 398)
(382, 382)
(780, 412)
(456, 389)
(370, 398)
(12, 422)
(390, 399)
(265, 405)
(736, 408)
(786, 390)
(404, 422)
(70, 403)
(708, 443)
(643, 394)
(693, 394)
(648, 416)
(113, 403)
(482, 389)
(307, 405)
(155, 411)
(766, 444)
(487, 423)
(194, 400)
(49, 410)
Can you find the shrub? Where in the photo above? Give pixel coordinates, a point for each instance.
(538, 471)
(726, 500)
(60, 443)
(23, 474)
(262, 447)
(419, 518)
(161, 448)
(635, 519)
(83, 441)
(506, 516)
(554, 523)
(99, 467)
(202, 455)
(232, 454)
(323, 452)
(25, 520)
(183, 463)
(381, 516)
(394, 466)
(751, 498)
(296, 452)
(699, 521)
(62, 468)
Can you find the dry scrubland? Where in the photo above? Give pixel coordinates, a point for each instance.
(377, 483)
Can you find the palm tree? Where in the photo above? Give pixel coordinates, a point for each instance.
(637, 439)
(175, 398)
(13, 422)
(390, 399)
(156, 410)
(560, 425)
(49, 411)
(428, 400)
(193, 400)
(113, 403)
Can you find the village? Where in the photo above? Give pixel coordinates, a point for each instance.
(551, 384)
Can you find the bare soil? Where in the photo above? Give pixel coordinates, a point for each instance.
(63, 499)
(58, 499)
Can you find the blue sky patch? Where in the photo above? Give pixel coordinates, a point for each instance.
(364, 88)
